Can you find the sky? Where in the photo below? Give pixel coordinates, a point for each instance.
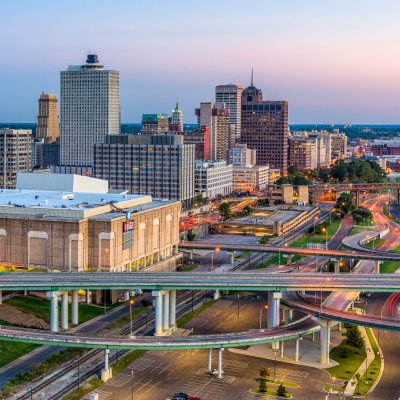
(335, 61)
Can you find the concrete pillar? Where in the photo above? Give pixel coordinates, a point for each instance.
(282, 346)
(336, 264)
(1, 297)
(270, 310)
(172, 308)
(64, 310)
(165, 316)
(297, 350)
(339, 326)
(351, 264)
(232, 257)
(325, 338)
(217, 295)
(158, 312)
(376, 266)
(209, 366)
(220, 363)
(87, 296)
(288, 316)
(25, 293)
(191, 255)
(53, 311)
(74, 308)
(273, 314)
(313, 336)
(106, 372)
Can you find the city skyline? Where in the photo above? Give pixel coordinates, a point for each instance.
(332, 64)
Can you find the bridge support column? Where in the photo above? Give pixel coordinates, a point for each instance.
(297, 350)
(376, 266)
(209, 365)
(282, 347)
(288, 316)
(172, 309)
(220, 363)
(106, 373)
(53, 311)
(25, 293)
(274, 301)
(325, 338)
(232, 257)
(1, 297)
(74, 308)
(64, 310)
(217, 295)
(191, 255)
(165, 316)
(158, 312)
(336, 264)
(87, 296)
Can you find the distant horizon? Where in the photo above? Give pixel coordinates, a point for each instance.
(332, 61)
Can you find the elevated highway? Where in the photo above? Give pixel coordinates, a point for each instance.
(355, 255)
(260, 281)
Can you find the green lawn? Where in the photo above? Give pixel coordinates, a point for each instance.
(10, 351)
(317, 238)
(188, 268)
(374, 244)
(41, 308)
(125, 320)
(188, 317)
(389, 267)
(349, 361)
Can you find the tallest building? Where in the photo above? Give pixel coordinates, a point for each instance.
(265, 128)
(89, 111)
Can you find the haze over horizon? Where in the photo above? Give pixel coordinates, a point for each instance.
(334, 64)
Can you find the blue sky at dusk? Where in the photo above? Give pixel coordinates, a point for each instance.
(335, 61)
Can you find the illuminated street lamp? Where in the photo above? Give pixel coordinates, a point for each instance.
(326, 237)
(217, 250)
(131, 302)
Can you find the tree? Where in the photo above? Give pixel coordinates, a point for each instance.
(361, 214)
(264, 373)
(344, 203)
(354, 338)
(263, 385)
(247, 210)
(225, 210)
(281, 391)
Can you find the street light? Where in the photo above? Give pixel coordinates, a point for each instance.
(131, 302)
(326, 237)
(217, 250)
(238, 306)
(261, 311)
(132, 374)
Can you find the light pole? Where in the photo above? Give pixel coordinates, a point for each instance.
(238, 309)
(131, 302)
(217, 250)
(261, 311)
(104, 266)
(275, 351)
(326, 237)
(315, 220)
(132, 374)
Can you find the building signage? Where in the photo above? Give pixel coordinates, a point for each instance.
(129, 226)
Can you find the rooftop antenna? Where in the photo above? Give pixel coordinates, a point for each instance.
(251, 76)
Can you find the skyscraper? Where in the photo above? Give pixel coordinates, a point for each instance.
(216, 118)
(265, 128)
(231, 95)
(48, 127)
(90, 110)
(154, 124)
(176, 121)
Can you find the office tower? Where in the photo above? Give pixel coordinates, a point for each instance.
(201, 140)
(47, 121)
(90, 110)
(176, 121)
(240, 154)
(324, 147)
(231, 95)
(15, 155)
(154, 124)
(265, 128)
(212, 179)
(159, 165)
(338, 146)
(302, 152)
(216, 118)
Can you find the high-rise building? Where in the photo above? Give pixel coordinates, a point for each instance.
(48, 127)
(154, 124)
(176, 121)
(324, 147)
(158, 165)
(15, 155)
(301, 152)
(338, 146)
(201, 140)
(241, 155)
(216, 118)
(90, 110)
(265, 128)
(231, 95)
